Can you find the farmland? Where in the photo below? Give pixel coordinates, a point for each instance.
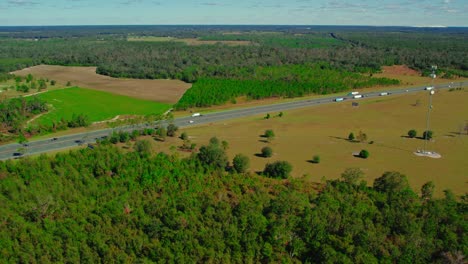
(323, 131)
(165, 91)
(96, 105)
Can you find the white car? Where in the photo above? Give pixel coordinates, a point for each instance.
(191, 121)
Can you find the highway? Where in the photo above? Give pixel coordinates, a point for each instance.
(14, 150)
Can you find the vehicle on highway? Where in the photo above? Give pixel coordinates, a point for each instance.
(196, 114)
(54, 139)
(190, 121)
(339, 99)
(383, 94)
(353, 93)
(25, 145)
(17, 154)
(79, 142)
(428, 88)
(357, 96)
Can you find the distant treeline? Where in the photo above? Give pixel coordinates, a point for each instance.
(355, 51)
(101, 205)
(283, 81)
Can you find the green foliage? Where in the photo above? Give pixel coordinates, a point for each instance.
(351, 136)
(316, 159)
(267, 152)
(79, 120)
(269, 134)
(184, 136)
(241, 163)
(280, 81)
(143, 147)
(171, 130)
(412, 133)
(267, 116)
(364, 154)
(280, 114)
(427, 135)
(213, 155)
(278, 169)
(15, 112)
(352, 175)
(391, 182)
(104, 205)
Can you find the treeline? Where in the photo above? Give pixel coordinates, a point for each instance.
(352, 51)
(105, 205)
(284, 81)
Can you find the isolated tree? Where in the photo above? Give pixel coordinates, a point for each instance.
(213, 155)
(351, 136)
(267, 116)
(269, 134)
(280, 114)
(68, 83)
(241, 163)
(184, 136)
(412, 133)
(316, 159)
(278, 169)
(352, 175)
(267, 152)
(53, 82)
(427, 135)
(171, 130)
(143, 147)
(364, 154)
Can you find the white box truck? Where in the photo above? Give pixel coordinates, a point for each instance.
(429, 88)
(353, 93)
(196, 114)
(383, 94)
(357, 96)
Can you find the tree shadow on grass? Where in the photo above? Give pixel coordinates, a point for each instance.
(263, 141)
(260, 155)
(312, 161)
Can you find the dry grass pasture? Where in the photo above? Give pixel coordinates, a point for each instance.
(323, 130)
(164, 91)
(191, 41)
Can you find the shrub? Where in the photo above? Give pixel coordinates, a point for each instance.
(427, 134)
(240, 163)
(278, 169)
(316, 159)
(364, 154)
(184, 136)
(267, 152)
(412, 133)
(351, 136)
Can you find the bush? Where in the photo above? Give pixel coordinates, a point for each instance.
(316, 159)
(351, 136)
(427, 134)
(267, 152)
(171, 130)
(278, 169)
(412, 133)
(240, 163)
(143, 147)
(184, 136)
(364, 154)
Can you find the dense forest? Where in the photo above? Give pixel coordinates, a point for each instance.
(279, 81)
(103, 205)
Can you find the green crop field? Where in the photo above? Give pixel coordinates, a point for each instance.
(96, 105)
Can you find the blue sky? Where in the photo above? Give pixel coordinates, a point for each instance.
(284, 12)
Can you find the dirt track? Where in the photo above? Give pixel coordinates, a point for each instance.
(165, 91)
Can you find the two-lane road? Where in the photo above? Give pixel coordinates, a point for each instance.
(13, 150)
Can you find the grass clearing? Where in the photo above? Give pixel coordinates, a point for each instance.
(95, 104)
(322, 130)
(165, 91)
